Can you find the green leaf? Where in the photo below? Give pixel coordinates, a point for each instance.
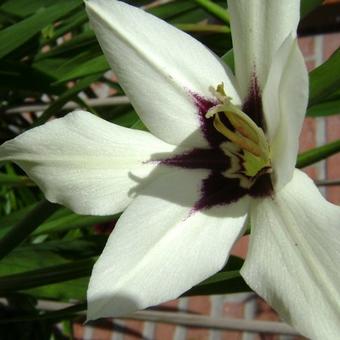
(228, 58)
(76, 45)
(45, 276)
(324, 80)
(87, 68)
(64, 98)
(65, 291)
(215, 9)
(14, 180)
(75, 249)
(307, 6)
(62, 220)
(24, 8)
(317, 154)
(24, 228)
(18, 76)
(68, 24)
(71, 221)
(7, 221)
(43, 273)
(17, 34)
(226, 281)
(62, 314)
(203, 28)
(123, 115)
(328, 108)
(173, 9)
(28, 258)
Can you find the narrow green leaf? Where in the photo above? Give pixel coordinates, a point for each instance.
(26, 80)
(62, 220)
(64, 65)
(203, 28)
(328, 108)
(226, 281)
(215, 9)
(221, 283)
(317, 154)
(71, 221)
(27, 258)
(172, 9)
(75, 249)
(14, 180)
(45, 276)
(64, 98)
(7, 221)
(324, 80)
(89, 67)
(62, 314)
(306, 6)
(49, 261)
(228, 58)
(77, 44)
(17, 34)
(63, 291)
(24, 8)
(24, 228)
(68, 24)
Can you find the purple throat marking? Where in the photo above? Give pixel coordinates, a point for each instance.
(217, 189)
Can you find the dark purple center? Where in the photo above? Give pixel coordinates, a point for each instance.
(217, 189)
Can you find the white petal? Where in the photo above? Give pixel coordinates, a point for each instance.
(84, 162)
(158, 66)
(259, 27)
(294, 256)
(159, 248)
(285, 99)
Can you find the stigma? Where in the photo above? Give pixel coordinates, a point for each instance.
(246, 144)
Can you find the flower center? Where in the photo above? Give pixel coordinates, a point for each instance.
(246, 144)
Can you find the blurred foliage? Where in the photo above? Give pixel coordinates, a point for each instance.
(49, 56)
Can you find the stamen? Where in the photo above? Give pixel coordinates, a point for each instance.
(242, 125)
(241, 141)
(251, 147)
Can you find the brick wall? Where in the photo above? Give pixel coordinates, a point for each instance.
(315, 132)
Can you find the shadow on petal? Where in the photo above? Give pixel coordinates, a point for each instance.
(191, 178)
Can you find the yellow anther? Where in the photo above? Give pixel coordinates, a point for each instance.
(241, 141)
(250, 142)
(242, 126)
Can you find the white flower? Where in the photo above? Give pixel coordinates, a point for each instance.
(218, 155)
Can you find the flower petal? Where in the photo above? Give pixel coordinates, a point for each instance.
(159, 68)
(84, 162)
(259, 27)
(285, 99)
(160, 248)
(294, 256)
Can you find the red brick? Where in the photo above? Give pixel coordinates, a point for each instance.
(166, 331)
(310, 65)
(233, 310)
(136, 327)
(240, 247)
(330, 44)
(101, 334)
(307, 46)
(78, 331)
(200, 305)
(308, 141)
(265, 313)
